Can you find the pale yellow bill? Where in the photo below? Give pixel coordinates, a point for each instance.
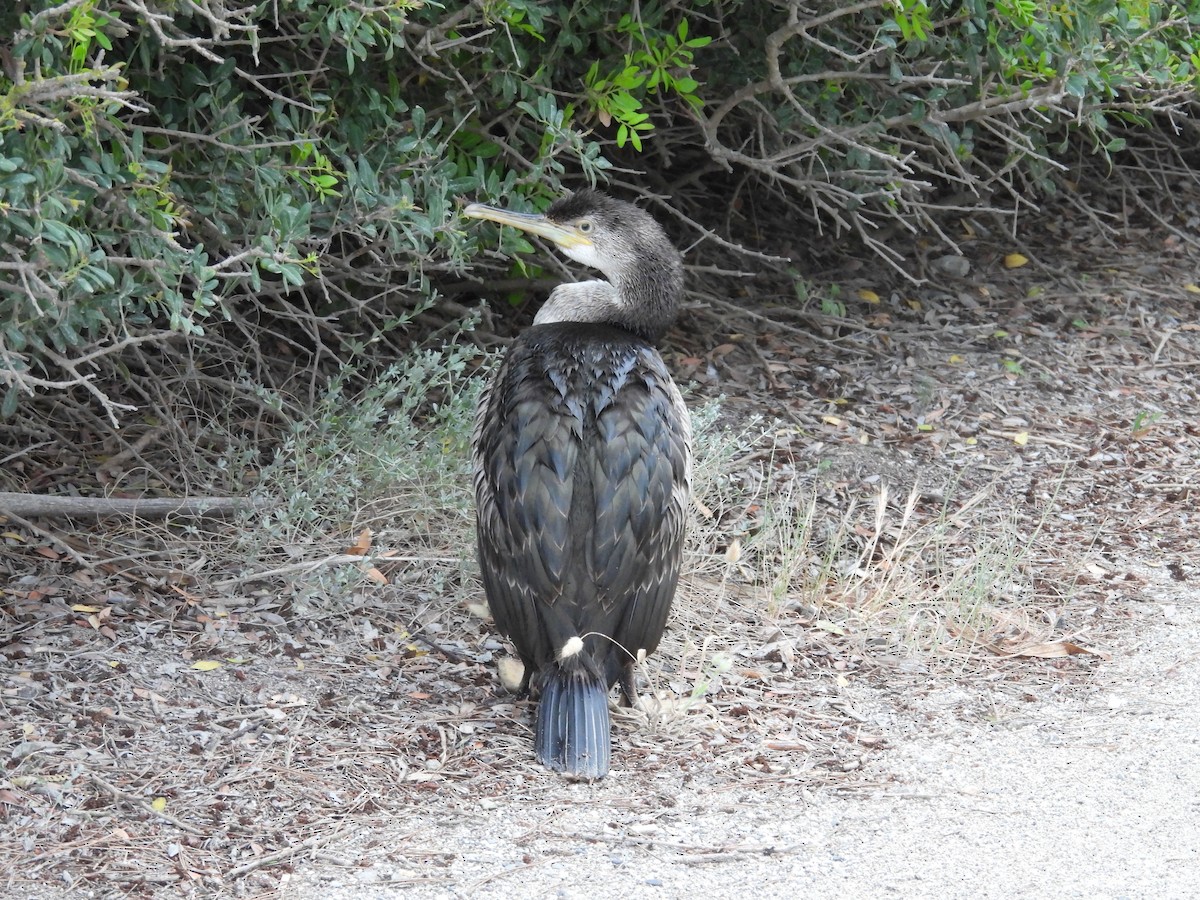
(563, 235)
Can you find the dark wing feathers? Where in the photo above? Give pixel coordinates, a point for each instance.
(524, 492)
(582, 467)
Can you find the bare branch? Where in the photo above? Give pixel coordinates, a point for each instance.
(17, 504)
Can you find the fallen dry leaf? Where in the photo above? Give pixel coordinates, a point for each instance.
(206, 665)
(1053, 650)
(1015, 260)
(831, 627)
(361, 545)
(868, 295)
(722, 350)
(787, 745)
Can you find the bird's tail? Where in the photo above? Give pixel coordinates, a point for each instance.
(573, 729)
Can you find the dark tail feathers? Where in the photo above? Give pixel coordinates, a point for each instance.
(573, 729)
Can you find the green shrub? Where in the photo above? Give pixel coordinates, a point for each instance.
(288, 173)
(398, 450)
(893, 112)
(168, 171)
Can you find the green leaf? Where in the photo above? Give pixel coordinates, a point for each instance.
(9, 407)
(1076, 85)
(56, 231)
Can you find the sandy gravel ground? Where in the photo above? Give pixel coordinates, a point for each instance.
(1067, 790)
(1091, 792)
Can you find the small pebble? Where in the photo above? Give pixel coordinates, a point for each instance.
(955, 266)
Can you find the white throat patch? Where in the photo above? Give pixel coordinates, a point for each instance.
(580, 301)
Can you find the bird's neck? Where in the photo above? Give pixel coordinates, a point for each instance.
(644, 302)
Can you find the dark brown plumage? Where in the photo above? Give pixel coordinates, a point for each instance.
(582, 475)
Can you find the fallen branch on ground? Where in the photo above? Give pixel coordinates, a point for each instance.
(102, 507)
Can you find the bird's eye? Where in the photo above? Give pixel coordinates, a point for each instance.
(585, 226)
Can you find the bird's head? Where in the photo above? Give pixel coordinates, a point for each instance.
(644, 270)
(591, 228)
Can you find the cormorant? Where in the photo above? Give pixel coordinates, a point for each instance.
(582, 459)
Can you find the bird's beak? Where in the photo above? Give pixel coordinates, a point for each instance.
(562, 235)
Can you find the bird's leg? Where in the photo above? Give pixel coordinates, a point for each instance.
(524, 691)
(629, 695)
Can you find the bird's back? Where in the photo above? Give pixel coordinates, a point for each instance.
(582, 451)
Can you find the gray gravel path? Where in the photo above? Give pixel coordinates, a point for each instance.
(1092, 793)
